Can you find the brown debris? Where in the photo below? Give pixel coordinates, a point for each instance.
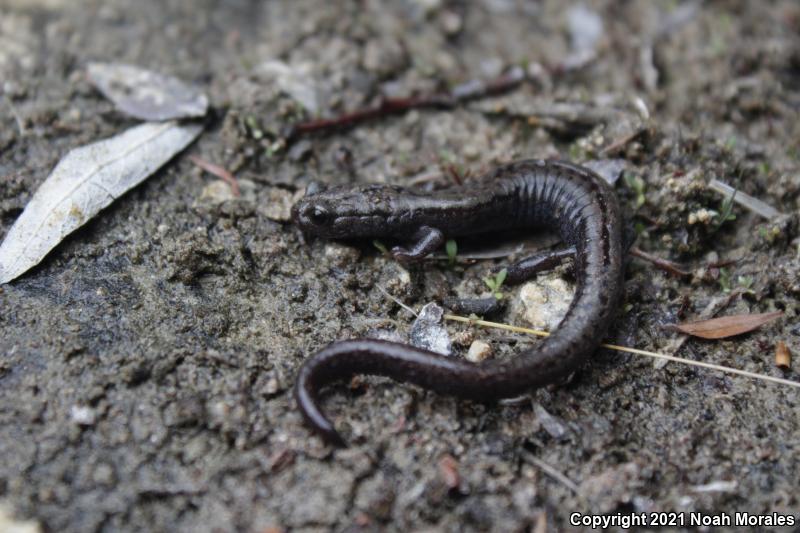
(783, 357)
(664, 264)
(725, 326)
(218, 171)
(448, 471)
(392, 106)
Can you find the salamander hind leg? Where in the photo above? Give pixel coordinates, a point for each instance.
(539, 262)
(426, 240)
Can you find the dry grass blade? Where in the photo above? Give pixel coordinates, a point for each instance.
(636, 351)
(725, 326)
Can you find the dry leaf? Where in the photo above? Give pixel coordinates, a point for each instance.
(147, 95)
(783, 357)
(85, 181)
(725, 326)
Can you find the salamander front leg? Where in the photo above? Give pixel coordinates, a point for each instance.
(426, 240)
(539, 262)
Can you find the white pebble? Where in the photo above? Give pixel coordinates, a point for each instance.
(479, 351)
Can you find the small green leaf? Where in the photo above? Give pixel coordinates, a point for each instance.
(500, 278)
(380, 246)
(452, 249)
(725, 279)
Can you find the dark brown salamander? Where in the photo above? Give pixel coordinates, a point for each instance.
(570, 199)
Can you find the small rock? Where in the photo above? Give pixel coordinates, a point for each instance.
(717, 486)
(545, 301)
(341, 255)
(278, 204)
(376, 496)
(612, 487)
(184, 412)
(10, 524)
(272, 386)
(463, 338)
(551, 424)
(427, 331)
(479, 351)
(295, 80)
(585, 27)
(216, 192)
(82, 415)
(103, 474)
(386, 335)
(384, 56)
(491, 67)
(195, 449)
(701, 216)
(452, 22)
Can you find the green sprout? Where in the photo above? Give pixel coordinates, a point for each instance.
(746, 283)
(638, 186)
(725, 279)
(575, 152)
(726, 212)
(380, 246)
(495, 283)
(452, 249)
(255, 128)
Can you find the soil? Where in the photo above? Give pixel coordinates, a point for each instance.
(146, 365)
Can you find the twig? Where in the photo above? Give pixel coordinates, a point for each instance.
(636, 351)
(663, 264)
(397, 301)
(392, 106)
(218, 171)
(622, 142)
(552, 472)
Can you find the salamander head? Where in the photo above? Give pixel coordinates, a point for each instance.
(349, 212)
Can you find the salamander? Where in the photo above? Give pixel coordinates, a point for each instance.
(569, 199)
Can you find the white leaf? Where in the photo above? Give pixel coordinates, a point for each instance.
(85, 181)
(147, 95)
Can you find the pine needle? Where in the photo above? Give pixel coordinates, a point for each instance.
(636, 351)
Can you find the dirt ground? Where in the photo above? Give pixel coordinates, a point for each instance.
(146, 365)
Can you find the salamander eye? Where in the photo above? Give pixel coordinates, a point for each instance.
(318, 215)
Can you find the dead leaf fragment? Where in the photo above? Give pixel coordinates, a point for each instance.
(147, 95)
(725, 326)
(85, 181)
(783, 357)
(448, 470)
